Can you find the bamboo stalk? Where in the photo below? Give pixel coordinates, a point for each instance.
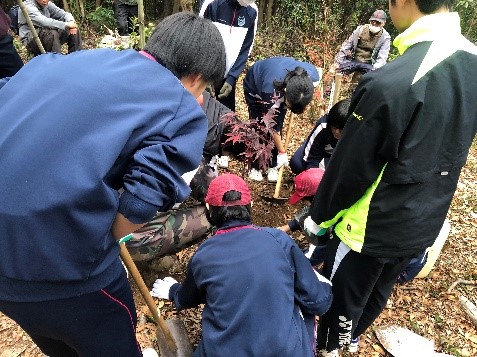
(140, 14)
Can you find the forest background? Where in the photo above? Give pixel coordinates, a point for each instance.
(313, 30)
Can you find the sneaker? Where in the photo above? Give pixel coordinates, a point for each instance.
(223, 162)
(324, 353)
(255, 175)
(149, 352)
(272, 174)
(353, 346)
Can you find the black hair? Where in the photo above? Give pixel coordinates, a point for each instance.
(218, 216)
(298, 88)
(338, 114)
(187, 44)
(200, 183)
(430, 6)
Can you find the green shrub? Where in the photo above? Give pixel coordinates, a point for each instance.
(101, 17)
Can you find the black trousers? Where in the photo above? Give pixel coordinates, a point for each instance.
(124, 13)
(10, 61)
(102, 323)
(52, 39)
(361, 287)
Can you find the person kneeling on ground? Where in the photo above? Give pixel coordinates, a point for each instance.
(257, 286)
(321, 142)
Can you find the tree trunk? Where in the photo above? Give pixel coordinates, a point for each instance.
(270, 4)
(81, 7)
(66, 7)
(167, 10)
(261, 11)
(140, 15)
(186, 5)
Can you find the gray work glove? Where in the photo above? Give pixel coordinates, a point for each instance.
(225, 90)
(161, 287)
(210, 88)
(301, 215)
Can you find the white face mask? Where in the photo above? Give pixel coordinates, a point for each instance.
(374, 29)
(245, 2)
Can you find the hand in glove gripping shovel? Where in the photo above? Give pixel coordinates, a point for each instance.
(161, 287)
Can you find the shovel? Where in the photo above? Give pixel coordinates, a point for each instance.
(276, 196)
(171, 335)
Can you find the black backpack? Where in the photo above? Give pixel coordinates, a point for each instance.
(13, 13)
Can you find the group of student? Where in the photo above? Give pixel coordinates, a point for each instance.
(126, 139)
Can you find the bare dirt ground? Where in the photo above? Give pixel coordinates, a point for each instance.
(422, 305)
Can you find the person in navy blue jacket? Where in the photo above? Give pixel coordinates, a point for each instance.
(237, 23)
(260, 292)
(76, 131)
(271, 86)
(322, 140)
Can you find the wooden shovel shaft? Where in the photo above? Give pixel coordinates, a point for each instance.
(335, 90)
(280, 171)
(336, 94)
(131, 266)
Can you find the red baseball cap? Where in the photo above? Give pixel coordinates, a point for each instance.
(225, 183)
(306, 184)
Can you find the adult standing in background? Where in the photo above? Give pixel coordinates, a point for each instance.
(237, 23)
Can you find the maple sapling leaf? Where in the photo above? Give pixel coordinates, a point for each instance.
(256, 135)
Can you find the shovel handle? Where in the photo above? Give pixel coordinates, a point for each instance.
(131, 266)
(280, 171)
(279, 183)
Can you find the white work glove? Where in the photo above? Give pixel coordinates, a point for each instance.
(161, 287)
(312, 229)
(282, 159)
(225, 90)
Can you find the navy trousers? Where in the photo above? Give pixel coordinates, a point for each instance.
(10, 61)
(102, 323)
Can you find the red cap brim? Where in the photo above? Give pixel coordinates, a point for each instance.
(295, 198)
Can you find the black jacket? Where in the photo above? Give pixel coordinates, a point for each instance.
(392, 176)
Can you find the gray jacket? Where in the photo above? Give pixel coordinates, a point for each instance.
(380, 52)
(50, 16)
